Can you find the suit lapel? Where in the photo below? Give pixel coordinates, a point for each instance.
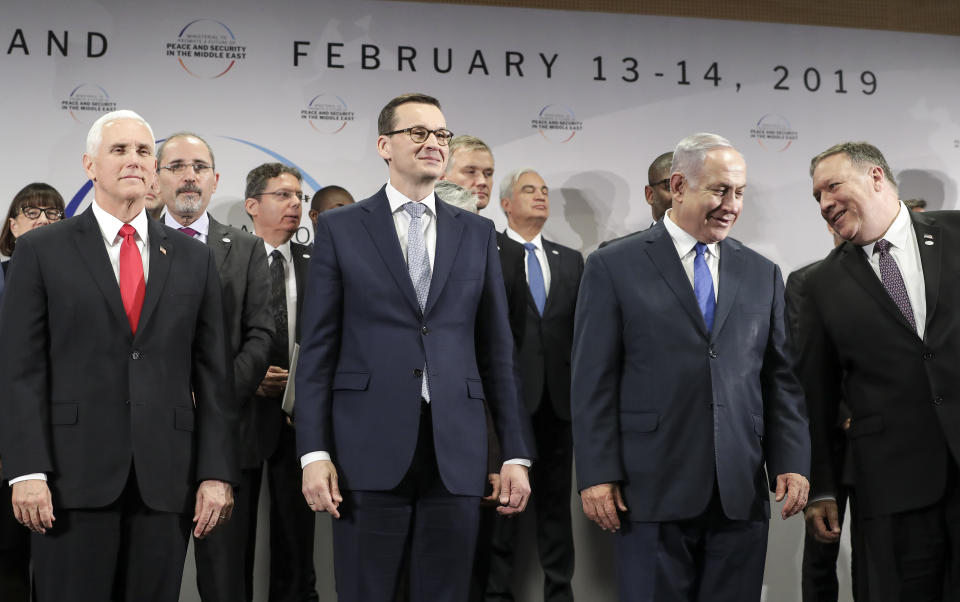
(449, 228)
(301, 260)
(731, 270)
(218, 239)
(378, 222)
(556, 272)
(927, 231)
(854, 260)
(89, 241)
(160, 258)
(663, 253)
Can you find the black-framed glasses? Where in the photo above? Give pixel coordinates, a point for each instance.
(53, 214)
(664, 183)
(419, 134)
(178, 167)
(286, 195)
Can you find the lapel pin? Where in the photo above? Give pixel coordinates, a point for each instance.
(555, 252)
(163, 251)
(306, 255)
(929, 243)
(928, 235)
(225, 239)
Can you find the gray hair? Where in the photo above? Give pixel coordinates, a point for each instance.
(861, 154)
(456, 195)
(511, 179)
(692, 151)
(95, 135)
(163, 145)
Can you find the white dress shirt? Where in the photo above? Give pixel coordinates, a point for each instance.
(906, 253)
(685, 245)
(538, 252)
(110, 231)
(290, 280)
(202, 225)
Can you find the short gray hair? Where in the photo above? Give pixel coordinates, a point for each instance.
(861, 154)
(511, 179)
(692, 151)
(456, 195)
(95, 135)
(184, 134)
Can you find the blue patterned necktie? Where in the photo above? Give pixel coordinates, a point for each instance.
(418, 264)
(893, 281)
(703, 286)
(535, 277)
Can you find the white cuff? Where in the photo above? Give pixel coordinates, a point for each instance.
(520, 461)
(34, 476)
(313, 457)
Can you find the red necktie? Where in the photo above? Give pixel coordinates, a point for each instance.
(132, 285)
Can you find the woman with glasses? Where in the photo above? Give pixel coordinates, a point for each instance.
(36, 205)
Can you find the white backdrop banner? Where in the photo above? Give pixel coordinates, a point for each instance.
(587, 99)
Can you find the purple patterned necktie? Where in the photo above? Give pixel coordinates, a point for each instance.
(189, 231)
(893, 281)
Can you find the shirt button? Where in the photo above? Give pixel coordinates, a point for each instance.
(417, 372)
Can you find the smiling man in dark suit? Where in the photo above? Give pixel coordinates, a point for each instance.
(682, 392)
(119, 395)
(880, 331)
(187, 176)
(405, 334)
(552, 278)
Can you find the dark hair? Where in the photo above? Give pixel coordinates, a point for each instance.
(37, 194)
(259, 175)
(861, 154)
(387, 121)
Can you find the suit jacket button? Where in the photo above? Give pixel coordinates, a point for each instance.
(712, 353)
(927, 355)
(135, 355)
(417, 372)
(938, 400)
(424, 330)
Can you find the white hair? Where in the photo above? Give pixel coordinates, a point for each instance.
(691, 152)
(511, 179)
(456, 195)
(95, 135)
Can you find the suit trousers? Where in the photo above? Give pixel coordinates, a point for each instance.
(418, 523)
(551, 481)
(225, 557)
(14, 552)
(709, 558)
(818, 572)
(125, 552)
(292, 525)
(914, 556)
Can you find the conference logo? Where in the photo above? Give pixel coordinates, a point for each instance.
(773, 132)
(206, 48)
(556, 123)
(87, 102)
(327, 113)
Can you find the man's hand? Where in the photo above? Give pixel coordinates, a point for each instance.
(795, 487)
(214, 506)
(514, 489)
(32, 505)
(320, 487)
(494, 498)
(601, 503)
(274, 382)
(823, 521)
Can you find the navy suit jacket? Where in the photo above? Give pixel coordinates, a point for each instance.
(364, 342)
(666, 409)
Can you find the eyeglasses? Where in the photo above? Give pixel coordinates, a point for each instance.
(286, 195)
(664, 183)
(419, 134)
(53, 214)
(177, 168)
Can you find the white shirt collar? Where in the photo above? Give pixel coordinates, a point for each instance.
(284, 249)
(201, 226)
(898, 232)
(683, 240)
(398, 200)
(110, 225)
(537, 240)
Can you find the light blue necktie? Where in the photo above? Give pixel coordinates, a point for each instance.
(703, 286)
(535, 277)
(418, 264)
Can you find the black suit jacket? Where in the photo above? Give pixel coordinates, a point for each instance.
(544, 357)
(269, 416)
(245, 285)
(512, 257)
(903, 392)
(85, 397)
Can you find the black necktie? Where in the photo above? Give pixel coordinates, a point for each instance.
(279, 351)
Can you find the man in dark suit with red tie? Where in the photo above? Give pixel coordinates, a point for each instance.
(119, 411)
(880, 331)
(405, 334)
